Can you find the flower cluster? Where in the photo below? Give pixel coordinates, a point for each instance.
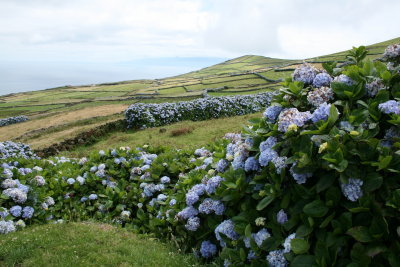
(292, 116)
(149, 115)
(319, 96)
(12, 120)
(10, 149)
(306, 73)
(352, 190)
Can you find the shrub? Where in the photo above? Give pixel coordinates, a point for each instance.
(150, 115)
(315, 181)
(12, 120)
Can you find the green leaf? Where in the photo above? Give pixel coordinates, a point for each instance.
(360, 233)
(242, 254)
(315, 209)
(325, 182)
(303, 261)
(265, 202)
(247, 231)
(299, 246)
(372, 182)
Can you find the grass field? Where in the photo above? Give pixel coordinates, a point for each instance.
(86, 244)
(59, 113)
(202, 132)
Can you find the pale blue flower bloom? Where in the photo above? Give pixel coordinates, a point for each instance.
(352, 190)
(207, 249)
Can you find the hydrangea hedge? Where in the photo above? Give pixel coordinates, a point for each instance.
(315, 181)
(143, 115)
(12, 120)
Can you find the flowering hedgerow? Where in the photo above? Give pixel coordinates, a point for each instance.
(149, 115)
(12, 120)
(314, 182)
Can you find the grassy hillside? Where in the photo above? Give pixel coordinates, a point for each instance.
(86, 244)
(59, 113)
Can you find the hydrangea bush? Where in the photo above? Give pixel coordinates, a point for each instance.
(314, 182)
(149, 115)
(12, 120)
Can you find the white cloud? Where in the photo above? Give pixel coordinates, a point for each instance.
(102, 30)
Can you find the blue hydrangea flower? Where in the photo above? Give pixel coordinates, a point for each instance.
(187, 213)
(272, 112)
(374, 87)
(269, 143)
(292, 116)
(352, 190)
(172, 202)
(322, 79)
(3, 212)
(213, 183)
(280, 164)
(345, 125)
(251, 164)
(281, 217)
(249, 141)
(321, 113)
(7, 227)
(275, 258)
(92, 196)
(83, 199)
(221, 165)
(193, 224)
(16, 211)
(267, 156)
(209, 205)
(194, 194)
(238, 163)
(161, 197)
(165, 180)
(261, 236)
(27, 212)
(344, 79)
(287, 244)
(251, 255)
(319, 96)
(70, 181)
(191, 198)
(227, 228)
(207, 249)
(300, 178)
(390, 137)
(305, 73)
(390, 106)
(17, 195)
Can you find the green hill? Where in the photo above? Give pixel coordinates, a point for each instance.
(59, 113)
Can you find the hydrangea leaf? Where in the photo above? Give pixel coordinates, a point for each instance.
(315, 209)
(360, 233)
(299, 246)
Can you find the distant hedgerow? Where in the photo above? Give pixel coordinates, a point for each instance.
(12, 120)
(150, 115)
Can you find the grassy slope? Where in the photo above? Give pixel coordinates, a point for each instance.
(86, 244)
(55, 107)
(202, 133)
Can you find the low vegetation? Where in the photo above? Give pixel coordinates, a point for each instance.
(314, 181)
(86, 244)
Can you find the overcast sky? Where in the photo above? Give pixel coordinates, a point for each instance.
(91, 33)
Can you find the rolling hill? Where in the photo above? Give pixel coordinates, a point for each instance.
(60, 113)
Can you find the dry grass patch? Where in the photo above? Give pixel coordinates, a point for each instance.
(12, 131)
